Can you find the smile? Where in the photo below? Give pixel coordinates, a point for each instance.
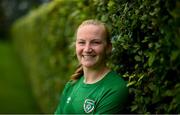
(88, 56)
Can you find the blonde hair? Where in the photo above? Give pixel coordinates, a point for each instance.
(79, 70)
(98, 23)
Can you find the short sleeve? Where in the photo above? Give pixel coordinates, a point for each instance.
(113, 101)
(62, 98)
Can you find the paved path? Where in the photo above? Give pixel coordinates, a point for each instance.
(15, 92)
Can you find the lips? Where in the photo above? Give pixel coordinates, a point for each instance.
(88, 56)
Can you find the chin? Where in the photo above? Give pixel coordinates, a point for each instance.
(88, 65)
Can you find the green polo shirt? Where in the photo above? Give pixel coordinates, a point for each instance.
(105, 96)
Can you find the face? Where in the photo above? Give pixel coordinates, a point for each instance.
(91, 46)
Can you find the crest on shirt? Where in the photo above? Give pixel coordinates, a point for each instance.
(89, 105)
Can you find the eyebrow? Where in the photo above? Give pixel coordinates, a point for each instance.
(80, 39)
(91, 40)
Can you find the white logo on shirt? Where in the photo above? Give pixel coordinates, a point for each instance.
(68, 100)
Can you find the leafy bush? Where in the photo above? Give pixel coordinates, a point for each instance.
(146, 49)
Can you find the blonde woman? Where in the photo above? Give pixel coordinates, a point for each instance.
(94, 88)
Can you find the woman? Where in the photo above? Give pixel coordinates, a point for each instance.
(94, 88)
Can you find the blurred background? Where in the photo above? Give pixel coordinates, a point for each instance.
(16, 94)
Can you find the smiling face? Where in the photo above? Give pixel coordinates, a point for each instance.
(92, 45)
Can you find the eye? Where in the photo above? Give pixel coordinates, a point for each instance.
(96, 42)
(81, 42)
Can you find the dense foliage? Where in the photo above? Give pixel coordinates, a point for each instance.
(146, 49)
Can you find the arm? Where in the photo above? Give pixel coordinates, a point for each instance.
(113, 101)
(62, 99)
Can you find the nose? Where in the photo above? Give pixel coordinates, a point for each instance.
(88, 48)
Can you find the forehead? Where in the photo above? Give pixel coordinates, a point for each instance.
(90, 30)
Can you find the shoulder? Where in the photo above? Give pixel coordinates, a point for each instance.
(115, 85)
(70, 84)
(114, 94)
(114, 80)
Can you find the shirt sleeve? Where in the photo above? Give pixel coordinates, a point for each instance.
(62, 99)
(113, 101)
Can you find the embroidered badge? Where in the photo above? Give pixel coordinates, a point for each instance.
(89, 105)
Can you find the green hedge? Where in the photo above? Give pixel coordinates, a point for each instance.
(146, 49)
(43, 40)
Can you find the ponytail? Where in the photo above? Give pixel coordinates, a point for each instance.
(77, 74)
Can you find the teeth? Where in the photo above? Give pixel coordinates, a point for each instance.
(88, 56)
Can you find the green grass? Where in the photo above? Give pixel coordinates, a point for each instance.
(15, 91)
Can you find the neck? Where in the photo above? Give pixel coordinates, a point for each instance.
(94, 75)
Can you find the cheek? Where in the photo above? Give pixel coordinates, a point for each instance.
(78, 50)
(101, 50)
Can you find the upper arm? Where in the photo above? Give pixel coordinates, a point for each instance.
(62, 99)
(113, 101)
